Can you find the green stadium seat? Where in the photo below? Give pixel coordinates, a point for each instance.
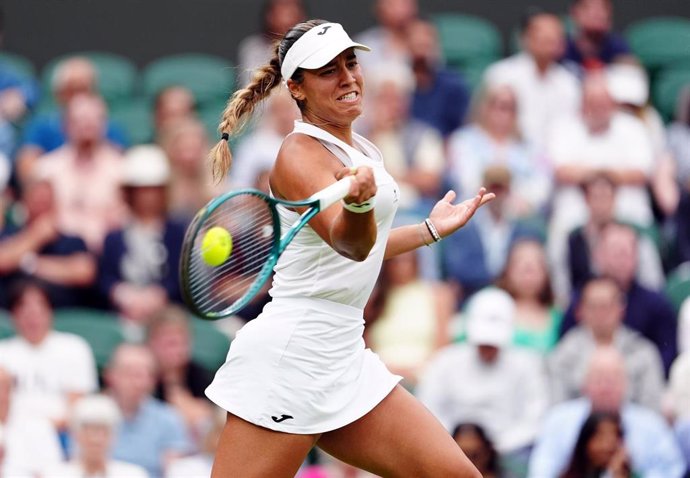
(136, 118)
(210, 78)
(473, 72)
(117, 75)
(465, 39)
(660, 41)
(210, 345)
(6, 327)
(21, 65)
(667, 87)
(678, 285)
(99, 328)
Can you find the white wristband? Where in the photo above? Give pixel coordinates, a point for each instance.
(360, 208)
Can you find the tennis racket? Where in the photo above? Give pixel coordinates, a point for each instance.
(218, 280)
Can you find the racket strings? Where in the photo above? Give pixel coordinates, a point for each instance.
(249, 220)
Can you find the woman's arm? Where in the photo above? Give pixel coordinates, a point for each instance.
(445, 216)
(304, 167)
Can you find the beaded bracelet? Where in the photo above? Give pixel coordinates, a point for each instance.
(432, 230)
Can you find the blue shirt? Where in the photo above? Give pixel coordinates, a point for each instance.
(613, 45)
(683, 434)
(444, 105)
(652, 446)
(144, 438)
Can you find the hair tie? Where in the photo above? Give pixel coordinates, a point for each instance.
(225, 136)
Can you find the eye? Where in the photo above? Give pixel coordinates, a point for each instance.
(352, 63)
(327, 71)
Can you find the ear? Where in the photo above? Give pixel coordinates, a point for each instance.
(295, 90)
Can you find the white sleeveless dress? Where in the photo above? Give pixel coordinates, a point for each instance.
(301, 366)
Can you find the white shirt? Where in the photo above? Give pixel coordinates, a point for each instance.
(541, 99)
(508, 398)
(190, 467)
(255, 154)
(46, 373)
(30, 445)
(113, 469)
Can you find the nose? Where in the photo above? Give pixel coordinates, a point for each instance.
(346, 75)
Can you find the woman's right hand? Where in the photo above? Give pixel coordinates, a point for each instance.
(364, 185)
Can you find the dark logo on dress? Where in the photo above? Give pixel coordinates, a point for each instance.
(323, 32)
(282, 418)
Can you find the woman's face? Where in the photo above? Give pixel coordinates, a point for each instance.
(333, 93)
(527, 269)
(499, 111)
(603, 444)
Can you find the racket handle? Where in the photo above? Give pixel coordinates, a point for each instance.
(333, 193)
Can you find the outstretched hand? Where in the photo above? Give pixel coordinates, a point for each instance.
(449, 217)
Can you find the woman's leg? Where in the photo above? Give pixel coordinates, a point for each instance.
(249, 451)
(399, 438)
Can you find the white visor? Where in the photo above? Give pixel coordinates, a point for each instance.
(316, 48)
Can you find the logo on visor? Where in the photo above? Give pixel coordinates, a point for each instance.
(324, 30)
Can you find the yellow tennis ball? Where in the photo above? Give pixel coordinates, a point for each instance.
(216, 246)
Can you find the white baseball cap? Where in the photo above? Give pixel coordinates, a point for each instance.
(316, 48)
(95, 409)
(628, 84)
(146, 165)
(490, 315)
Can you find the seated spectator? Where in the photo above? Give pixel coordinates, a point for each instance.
(493, 139)
(649, 441)
(94, 420)
(592, 43)
(200, 464)
(413, 150)
(50, 369)
(647, 312)
(46, 132)
(472, 439)
(41, 250)
(180, 380)
(191, 186)
(599, 450)
(277, 17)
(600, 191)
(679, 138)
(152, 434)
(526, 278)
(470, 382)
(85, 174)
(388, 38)
(139, 266)
(475, 255)
(599, 313)
(28, 442)
(172, 104)
(257, 151)
(599, 140)
(440, 97)
(413, 323)
(545, 90)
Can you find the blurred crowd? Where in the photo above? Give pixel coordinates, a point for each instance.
(551, 335)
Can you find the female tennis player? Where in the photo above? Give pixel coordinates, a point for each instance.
(299, 375)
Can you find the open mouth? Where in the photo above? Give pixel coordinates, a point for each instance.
(351, 96)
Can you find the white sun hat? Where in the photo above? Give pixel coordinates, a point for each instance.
(490, 318)
(146, 165)
(316, 48)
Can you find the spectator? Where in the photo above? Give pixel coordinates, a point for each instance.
(257, 151)
(472, 439)
(191, 186)
(493, 138)
(151, 434)
(180, 380)
(599, 450)
(388, 38)
(545, 90)
(414, 319)
(172, 104)
(139, 264)
(600, 314)
(200, 464)
(475, 255)
(413, 150)
(647, 311)
(679, 387)
(93, 423)
(679, 138)
(648, 439)
(41, 250)
(526, 278)
(469, 382)
(48, 131)
(600, 192)
(592, 43)
(277, 17)
(85, 174)
(440, 97)
(51, 369)
(28, 442)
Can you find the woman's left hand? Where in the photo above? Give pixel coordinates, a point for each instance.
(449, 217)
